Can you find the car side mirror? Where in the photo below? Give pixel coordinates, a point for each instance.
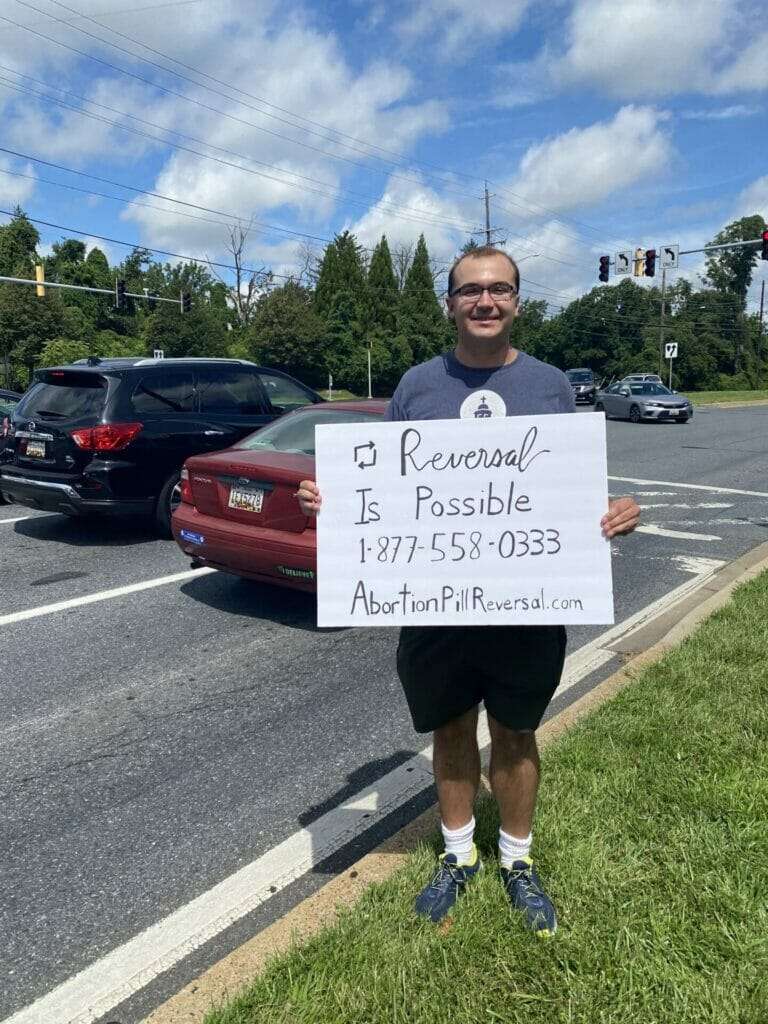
(625, 392)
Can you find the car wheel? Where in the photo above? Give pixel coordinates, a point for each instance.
(634, 414)
(167, 502)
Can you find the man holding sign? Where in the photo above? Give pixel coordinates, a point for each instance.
(514, 669)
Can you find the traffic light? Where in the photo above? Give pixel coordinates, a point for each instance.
(639, 262)
(650, 262)
(152, 302)
(186, 302)
(120, 294)
(40, 278)
(764, 252)
(605, 262)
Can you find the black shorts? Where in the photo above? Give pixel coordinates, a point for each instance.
(446, 670)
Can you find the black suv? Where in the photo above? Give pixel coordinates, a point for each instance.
(583, 384)
(110, 436)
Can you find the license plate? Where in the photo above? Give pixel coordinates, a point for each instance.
(248, 501)
(35, 449)
(193, 538)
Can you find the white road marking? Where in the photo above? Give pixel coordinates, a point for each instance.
(714, 504)
(100, 987)
(101, 595)
(664, 504)
(661, 531)
(690, 487)
(20, 519)
(698, 566)
(654, 494)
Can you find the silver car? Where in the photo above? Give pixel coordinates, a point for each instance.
(648, 401)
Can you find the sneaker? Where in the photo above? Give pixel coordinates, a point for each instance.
(449, 883)
(523, 888)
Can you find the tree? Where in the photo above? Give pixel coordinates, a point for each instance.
(422, 322)
(287, 333)
(249, 284)
(27, 323)
(343, 342)
(341, 269)
(18, 246)
(730, 271)
(382, 289)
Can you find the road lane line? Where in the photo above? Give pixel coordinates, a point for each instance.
(101, 595)
(689, 487)
(100, 987)
(20, 519)
(661, 531)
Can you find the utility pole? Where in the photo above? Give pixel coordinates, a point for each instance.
(487, 216)
(661, 321)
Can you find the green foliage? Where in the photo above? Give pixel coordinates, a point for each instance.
(730, 272)
(18, 244)
(286, 332)
(382, 289)
(341, 269)
(62, 351)
(421, 321)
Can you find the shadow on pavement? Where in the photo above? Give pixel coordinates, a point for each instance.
(253, 600)
(83, 532)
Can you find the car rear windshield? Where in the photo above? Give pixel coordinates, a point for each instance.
(65, 396)
(297, 433)
(584, 377)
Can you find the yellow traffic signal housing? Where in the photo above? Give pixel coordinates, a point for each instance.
(639, 262)
(40, 278)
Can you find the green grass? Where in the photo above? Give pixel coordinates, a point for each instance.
(707, 397)
(652, 836)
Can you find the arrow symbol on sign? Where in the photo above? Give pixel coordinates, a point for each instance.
(360, 460)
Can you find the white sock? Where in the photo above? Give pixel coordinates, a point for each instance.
(511, 848)
(460, 840)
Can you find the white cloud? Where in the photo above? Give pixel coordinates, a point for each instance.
(753, 199)
(646, 49)
(441, 220)
(721, 113)
(454, 25)
(642, 47)
(749, 70)
(14, 191)
(584, 165)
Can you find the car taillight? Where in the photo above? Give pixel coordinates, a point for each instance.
(106, 437)
(186, 488)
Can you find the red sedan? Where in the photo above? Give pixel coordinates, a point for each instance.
(238, 512)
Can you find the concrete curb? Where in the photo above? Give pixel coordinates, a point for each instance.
(647, 645)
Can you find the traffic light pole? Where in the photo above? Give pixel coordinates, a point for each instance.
(83, 288)
(661, 322)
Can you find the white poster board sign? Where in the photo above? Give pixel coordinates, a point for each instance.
(463, 522)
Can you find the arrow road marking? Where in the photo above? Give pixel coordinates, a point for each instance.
(660, 531)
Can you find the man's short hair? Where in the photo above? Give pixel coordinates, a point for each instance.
(483, 250)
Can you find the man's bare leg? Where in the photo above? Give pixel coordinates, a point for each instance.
(514, 776)
(456, 763)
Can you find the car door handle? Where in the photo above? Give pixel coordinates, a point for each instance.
(213, 433)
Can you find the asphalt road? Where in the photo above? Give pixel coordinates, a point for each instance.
(154, 743)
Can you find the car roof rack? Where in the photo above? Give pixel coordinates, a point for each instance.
(195, 359)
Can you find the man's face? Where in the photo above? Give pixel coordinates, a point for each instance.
(485, 318)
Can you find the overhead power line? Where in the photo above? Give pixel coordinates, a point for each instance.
(531, 205)
(412, 214)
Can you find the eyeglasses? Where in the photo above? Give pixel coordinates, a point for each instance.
(498, 290)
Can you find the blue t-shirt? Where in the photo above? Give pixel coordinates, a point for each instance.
(445, 389)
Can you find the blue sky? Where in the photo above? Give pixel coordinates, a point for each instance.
(599, 124)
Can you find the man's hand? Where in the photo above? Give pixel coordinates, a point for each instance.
(622, 517)
(309, 497)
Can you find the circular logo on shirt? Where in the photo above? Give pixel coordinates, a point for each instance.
(482, 405)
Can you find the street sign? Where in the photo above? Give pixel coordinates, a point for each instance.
(623, 264)
(670, 257)
(158, 354)
(670, 350)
